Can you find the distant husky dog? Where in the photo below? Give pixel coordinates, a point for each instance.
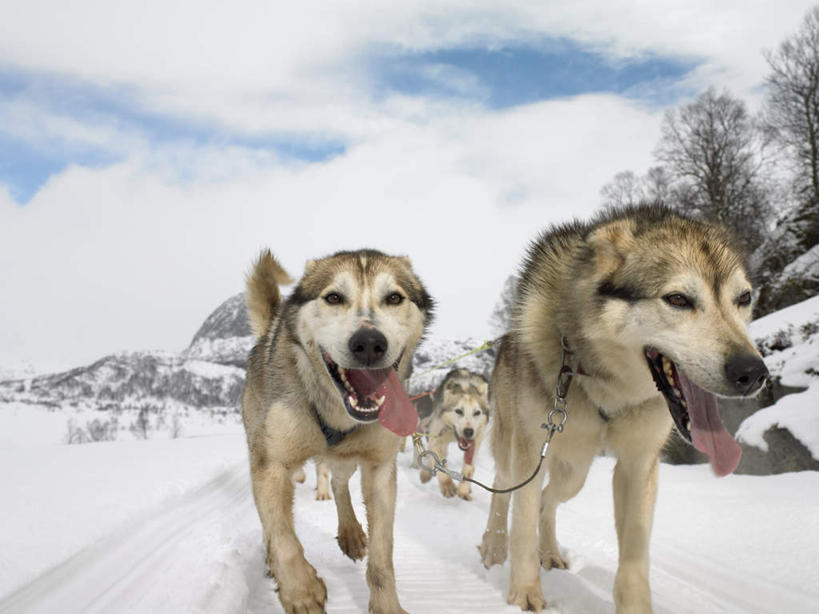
(459, 412)
(324, 380)
(653, 308)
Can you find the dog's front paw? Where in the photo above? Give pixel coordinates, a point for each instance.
(529, 598)
(426, 476)
(464, 491)
(447, 486)
(353, 541)
(322, 494)
(553, 560)
(493, 548)
(304, 596)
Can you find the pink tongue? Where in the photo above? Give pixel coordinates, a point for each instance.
(707, 429)
(397, 413)
(469, 453)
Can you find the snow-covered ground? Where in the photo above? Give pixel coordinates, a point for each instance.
(169, 525)
(790, 341)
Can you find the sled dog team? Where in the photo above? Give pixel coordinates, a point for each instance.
(647, 308)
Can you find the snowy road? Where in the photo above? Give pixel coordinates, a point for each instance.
(742, 544)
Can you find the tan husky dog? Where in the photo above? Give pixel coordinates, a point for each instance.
(324, 380)
(653, 308)
(460, 412)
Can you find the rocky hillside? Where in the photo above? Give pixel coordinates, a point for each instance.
(207, 376)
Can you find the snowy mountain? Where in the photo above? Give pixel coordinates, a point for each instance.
(208, 375)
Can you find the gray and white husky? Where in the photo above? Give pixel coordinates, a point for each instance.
(324, 380)
(653, 309)
(458, 412)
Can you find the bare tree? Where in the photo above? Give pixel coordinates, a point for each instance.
(628, 189)
(713, 152)
(792, 103)
(791, 116)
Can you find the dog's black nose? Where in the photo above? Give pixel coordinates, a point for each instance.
(469, 432)
(368, 346)
(746, 372)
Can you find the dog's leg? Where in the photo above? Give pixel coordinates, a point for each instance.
(440, 446)
(351, 537)
(635, 492)
(378, 486)
(464, 488)
(322, 481)
(300, 589)
(494, 542)
(565, 481)
(416, 464)
(299, 476)
(524, 578)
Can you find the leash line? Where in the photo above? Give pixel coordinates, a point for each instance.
(481, 348)
(560, 408)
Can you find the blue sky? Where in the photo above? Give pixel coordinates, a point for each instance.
(491, 77)
(500, 77)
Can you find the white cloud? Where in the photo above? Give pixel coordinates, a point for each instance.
(129, 256)
(257, 65)
(135, 254)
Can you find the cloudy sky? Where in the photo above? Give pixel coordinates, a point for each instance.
(149, 149)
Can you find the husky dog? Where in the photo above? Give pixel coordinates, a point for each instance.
(324, 380)
(653, 309)
(460, 412)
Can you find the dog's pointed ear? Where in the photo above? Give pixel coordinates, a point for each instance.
(310, 266)
(610, 244)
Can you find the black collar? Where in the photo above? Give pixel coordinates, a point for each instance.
(331, 435)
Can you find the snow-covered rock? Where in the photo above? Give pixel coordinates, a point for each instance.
(225, 335)
(784, 435)
(207, 375)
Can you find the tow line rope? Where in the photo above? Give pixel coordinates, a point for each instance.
(555, 421)
(481, 348)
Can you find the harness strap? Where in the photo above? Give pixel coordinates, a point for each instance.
(332, 436)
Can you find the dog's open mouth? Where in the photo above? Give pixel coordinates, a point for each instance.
(467, 445)
(695, 413)
(374, 394)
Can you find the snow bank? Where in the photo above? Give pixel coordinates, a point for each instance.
(799, 413)
(789, 340)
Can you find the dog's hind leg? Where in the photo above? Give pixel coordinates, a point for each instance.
(378, 484)
(524, 577)
(300, 588)
(322, 481)
(494, 542)
(351, 537)
(565, 481)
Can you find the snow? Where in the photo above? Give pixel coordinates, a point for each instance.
(795, 330)
(799, 413)
(170, 526)
(794, 316)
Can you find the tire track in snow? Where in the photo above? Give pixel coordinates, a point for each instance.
(116, 573)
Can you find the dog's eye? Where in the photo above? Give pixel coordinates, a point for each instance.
(394, 299)
(459, 411)
(333, 298)
(675, 299)
(476, 413)
(744, 299)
